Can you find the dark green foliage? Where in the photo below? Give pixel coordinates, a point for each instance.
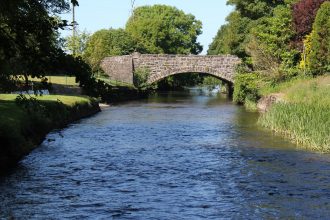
(208, 80)
(255, 9)
(319, 57)
(179, 81)
(164, 29)
(232, 37)
(269, 43)
(260, 32)
(245, 88)
(28, 37)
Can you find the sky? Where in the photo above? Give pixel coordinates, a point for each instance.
(99, 14)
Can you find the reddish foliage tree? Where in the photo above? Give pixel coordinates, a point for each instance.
(304, 12)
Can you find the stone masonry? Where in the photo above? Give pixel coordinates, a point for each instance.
(160, 66)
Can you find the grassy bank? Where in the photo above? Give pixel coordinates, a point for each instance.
(25, 123)
(60, 80)
(304, 115)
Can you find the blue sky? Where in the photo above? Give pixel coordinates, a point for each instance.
(95, 15)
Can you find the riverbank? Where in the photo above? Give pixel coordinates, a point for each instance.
(25, 122)
(302, 113)
(187, 147)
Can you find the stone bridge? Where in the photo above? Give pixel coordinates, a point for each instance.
(122, 68)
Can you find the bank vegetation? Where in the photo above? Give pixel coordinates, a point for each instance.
(285, 50)
(25, 121)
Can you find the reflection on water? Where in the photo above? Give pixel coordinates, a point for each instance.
(173, 156)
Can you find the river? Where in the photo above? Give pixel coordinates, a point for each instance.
(179, 155)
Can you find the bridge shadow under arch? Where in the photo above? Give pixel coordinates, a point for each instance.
(161, 76)
(155, 78)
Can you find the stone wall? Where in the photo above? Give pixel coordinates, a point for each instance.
(164, 65)
(119, 68)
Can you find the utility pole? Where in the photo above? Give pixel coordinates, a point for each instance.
(132, 14)
(73, 31)
(132, 7)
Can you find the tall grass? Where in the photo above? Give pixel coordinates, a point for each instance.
(305, 115)
(268, 86)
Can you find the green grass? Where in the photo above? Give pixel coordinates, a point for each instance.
(267, 87)
(113, 82)
(22, 127)
(250, 105)
(14, 116)
(304, 116)
(61, 80)
(67, 100)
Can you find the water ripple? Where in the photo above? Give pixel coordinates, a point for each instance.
(171, 157)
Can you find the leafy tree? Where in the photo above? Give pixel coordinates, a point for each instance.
(231, 37)
(304, 12)
(255, 9)
(28, 36)
(269, 42)
(77, 43)
(319, 56)
(103, 43)
(164, 29)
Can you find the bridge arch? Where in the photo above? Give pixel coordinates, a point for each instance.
(202, 70)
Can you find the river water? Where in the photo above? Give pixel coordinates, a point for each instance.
(173, 156)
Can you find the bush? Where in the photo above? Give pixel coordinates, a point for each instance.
(141, 80)
(246, 88)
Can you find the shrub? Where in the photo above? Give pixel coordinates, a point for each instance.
(140, 79)
(245, 88)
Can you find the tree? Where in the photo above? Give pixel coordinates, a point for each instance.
(77, 43)
(234, 35)
(269, 42)
(231, 37)
(107, 42)
(255, 9)
(319, 56)
(304, 12)
(164, 29)
(28, 36)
